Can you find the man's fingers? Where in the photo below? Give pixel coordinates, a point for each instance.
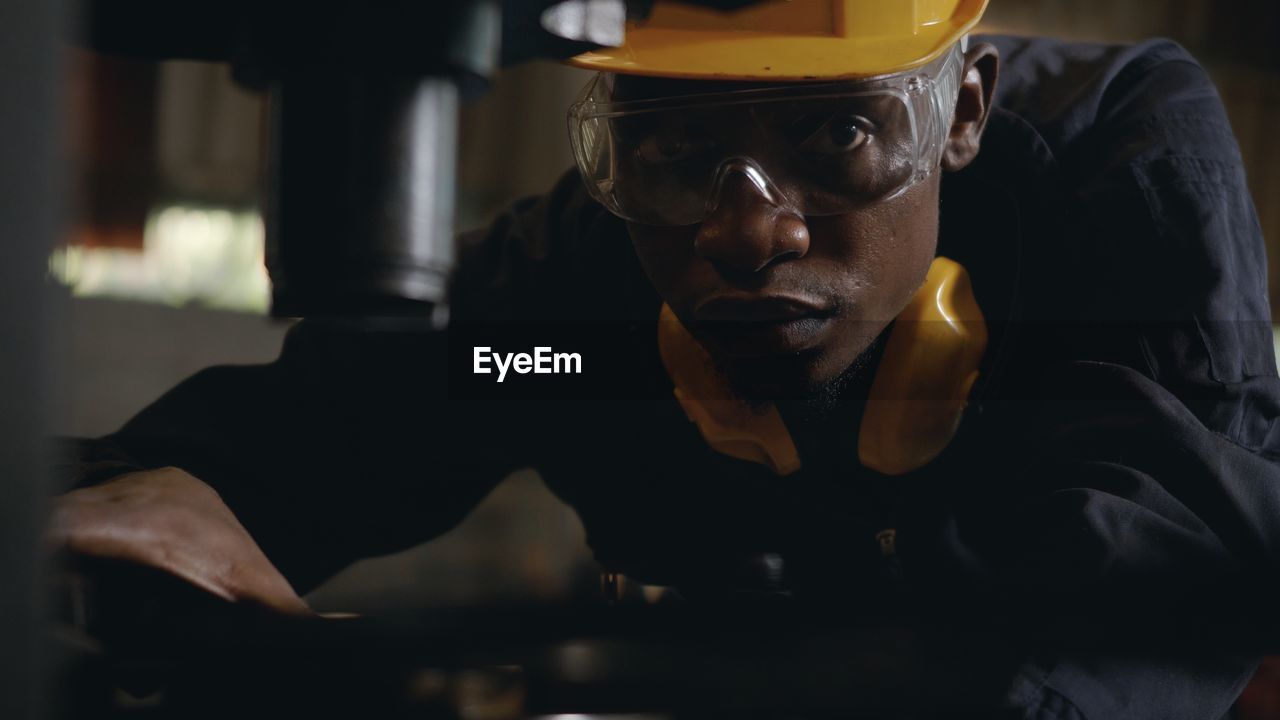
(171, 521)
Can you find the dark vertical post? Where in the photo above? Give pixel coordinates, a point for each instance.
(30, 202)
(360, 195)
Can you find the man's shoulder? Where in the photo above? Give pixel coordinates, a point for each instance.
(555, 258)
(1150, 251)
(1083, 96)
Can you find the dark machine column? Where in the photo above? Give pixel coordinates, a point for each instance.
(30, 200)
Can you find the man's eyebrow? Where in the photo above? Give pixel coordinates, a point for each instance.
(631, 88)
(628, 89)
(804, 125)
(662, 90)
(631, 127)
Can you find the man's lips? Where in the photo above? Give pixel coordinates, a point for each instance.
(757, 308)
(753, 325)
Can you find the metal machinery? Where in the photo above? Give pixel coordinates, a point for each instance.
(363, 100)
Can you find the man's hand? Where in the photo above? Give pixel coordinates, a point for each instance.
(169, 520)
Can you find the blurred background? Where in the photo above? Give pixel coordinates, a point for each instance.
(163, 261)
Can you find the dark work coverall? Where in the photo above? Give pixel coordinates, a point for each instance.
(1118, 467)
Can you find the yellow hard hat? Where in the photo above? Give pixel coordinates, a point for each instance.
(788, 40)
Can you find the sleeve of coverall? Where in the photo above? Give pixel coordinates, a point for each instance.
(1143, 531)
(1180, 442)
(351, 443)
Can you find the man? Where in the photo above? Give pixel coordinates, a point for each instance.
(950, 348)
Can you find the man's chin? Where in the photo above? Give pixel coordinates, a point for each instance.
(806, 381)
(762, 381)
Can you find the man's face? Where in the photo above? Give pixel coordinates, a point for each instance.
(787, 304)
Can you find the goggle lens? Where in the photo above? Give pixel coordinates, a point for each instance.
(821, 150)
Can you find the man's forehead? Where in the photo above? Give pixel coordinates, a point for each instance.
(629, 88)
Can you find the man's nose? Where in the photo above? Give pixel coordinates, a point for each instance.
(747, 231)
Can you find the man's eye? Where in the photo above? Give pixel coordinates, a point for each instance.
(840, 135)
(662, 149)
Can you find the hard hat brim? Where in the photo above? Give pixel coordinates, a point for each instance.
(739, 55)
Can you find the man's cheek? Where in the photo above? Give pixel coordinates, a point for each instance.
(680, 284)
(659, 261)
(666, 279)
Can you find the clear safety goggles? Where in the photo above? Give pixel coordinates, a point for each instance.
(813, 149)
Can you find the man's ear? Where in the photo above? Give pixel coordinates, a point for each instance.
(973, 105)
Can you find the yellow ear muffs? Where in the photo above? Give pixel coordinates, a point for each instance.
(728, 424)
(917, 399)
(928, 369)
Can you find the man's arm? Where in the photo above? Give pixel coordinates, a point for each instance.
(1141, 383)
(361, 439)
(1134, 520)
(344, 447)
